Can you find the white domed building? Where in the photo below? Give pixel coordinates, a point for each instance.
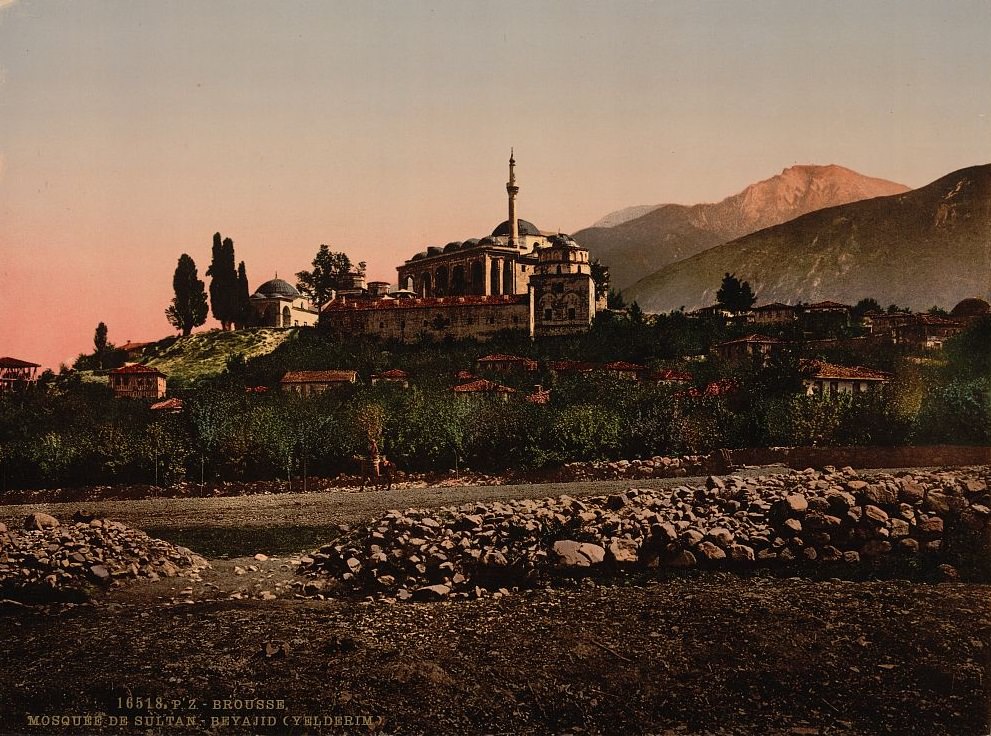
(278, 303)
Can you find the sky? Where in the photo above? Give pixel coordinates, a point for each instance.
(132, 130)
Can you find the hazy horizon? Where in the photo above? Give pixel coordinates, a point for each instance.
(131, 131)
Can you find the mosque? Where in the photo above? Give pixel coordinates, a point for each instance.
(518, 277)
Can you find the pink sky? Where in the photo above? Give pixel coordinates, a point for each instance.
(131, 131)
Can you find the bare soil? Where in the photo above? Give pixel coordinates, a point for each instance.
(696, 653)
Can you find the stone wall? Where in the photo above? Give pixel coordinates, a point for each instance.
(409, 320)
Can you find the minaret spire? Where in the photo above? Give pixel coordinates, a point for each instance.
(512, 190)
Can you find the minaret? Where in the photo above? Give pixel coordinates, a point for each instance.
(512, 190)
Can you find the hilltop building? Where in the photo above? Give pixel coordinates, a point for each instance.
(277, 303)
(517, 278)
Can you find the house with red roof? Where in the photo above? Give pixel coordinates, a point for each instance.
(16, 373)
(136, 381)
(835, 379)
(484, 387)
(500, 363)
(393, 375)
(307, 383)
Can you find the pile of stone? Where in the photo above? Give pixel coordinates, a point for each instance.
(48, 560)
(831, 516)
(655, 467)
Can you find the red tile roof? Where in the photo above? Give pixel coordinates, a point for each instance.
(622, 365)
(483, 386)
(669, 375)
(465, 376)
(773, 306)
(136, 368)
(393, 373)
(830, 371)
(15, 363)
(539, 397)
(421, 302)
(167, 405)
(320, 377)
(572, 366)
(828, 305)
(132, 346)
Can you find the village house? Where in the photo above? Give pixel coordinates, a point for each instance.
(499, 363)
(824, 317)
(133, 351)
(393, 375)
(667, 376)
(16, 374)
(840, 379)
(775, 313)
(926, 331)
(622, 369)
(571, 367)
(169, 406)
(136, 381)
(750, 347)
(484, 387)
(307, 383)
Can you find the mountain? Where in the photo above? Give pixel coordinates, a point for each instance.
(929, 246)
(671, 232)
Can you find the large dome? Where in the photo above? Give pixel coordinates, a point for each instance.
(526, 228)
(278, 287)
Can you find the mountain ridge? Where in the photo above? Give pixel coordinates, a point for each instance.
(672, 232)
(930, 245)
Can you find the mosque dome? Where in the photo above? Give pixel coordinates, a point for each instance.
(278, 287)
(525, 228)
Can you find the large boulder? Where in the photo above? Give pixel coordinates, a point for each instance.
(40, 520)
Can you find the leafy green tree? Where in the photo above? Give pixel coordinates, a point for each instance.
(327, 276)
(224, 294)
(735, 295)
(189, 307)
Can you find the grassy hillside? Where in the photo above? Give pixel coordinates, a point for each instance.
(204, 354)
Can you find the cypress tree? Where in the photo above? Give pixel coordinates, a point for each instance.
(223, 282)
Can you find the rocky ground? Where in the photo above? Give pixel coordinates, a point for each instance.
(793, 646)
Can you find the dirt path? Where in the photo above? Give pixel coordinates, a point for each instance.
(321, 509)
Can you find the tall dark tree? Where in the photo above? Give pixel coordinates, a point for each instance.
(100, 343)
(329, 272)
(864, 306)
(600, 275)
(735, 295)
(189, 307)
(245, 314)
(223, 283)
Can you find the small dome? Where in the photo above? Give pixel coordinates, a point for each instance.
(277, 287)
(434, 250)
(469, 243)
(453, 246)
(972, 307)
(562, 241)
(486, 241)
(418, 256)
(525, 228)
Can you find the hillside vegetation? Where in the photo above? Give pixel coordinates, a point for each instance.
(205, 354)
